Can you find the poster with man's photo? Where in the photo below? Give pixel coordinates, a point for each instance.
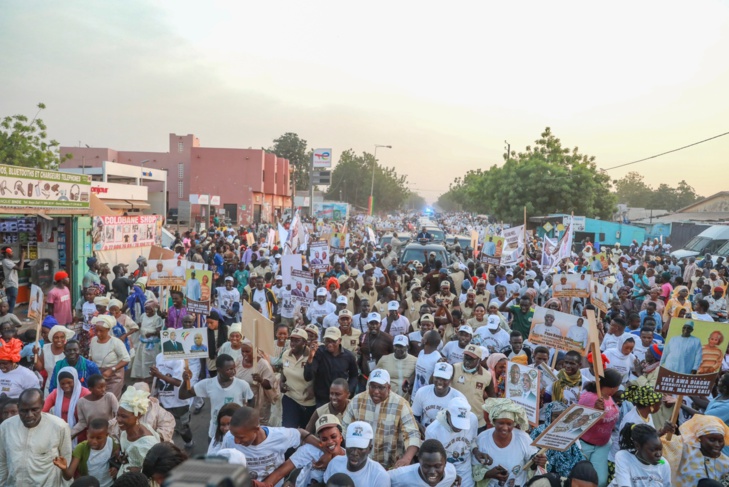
(522, 387)
(513, 246)
(568, 428)
(319, 256)
(491, 249)
(302, 288)
(184, 343)
(600, 265)
(167, 272)
(692, 357)
(558, 330)
(571, 286)
(198, 285)
(600, 296)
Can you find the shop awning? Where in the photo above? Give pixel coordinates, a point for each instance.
(126, 204)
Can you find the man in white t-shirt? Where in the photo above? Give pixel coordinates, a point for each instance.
(357, 464)
(492, 337)
(456, 429)
(432, 470)
(222, 389)
(332, 319)
(578, 332)
(427, 358)
(320, 308)
(229, 299)
(435, 397)
(394, 323)
(453, 350)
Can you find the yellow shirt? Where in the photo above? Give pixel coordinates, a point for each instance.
(351, 342)
(293, 370)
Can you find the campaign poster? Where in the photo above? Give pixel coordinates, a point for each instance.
(338, 242)
(125, 232)
(561, 331)
(600, 296)
(549, 254)
(513, 246)
(302, 288)
(289, 262)
(568, 428)
(491, 250)
(168, 272)
(600, 265)
(258, 329)
(319, 256)
(184, 343)
(571, 286)
(692, 357)
(198, 285)
(522, 387)
(35, 305)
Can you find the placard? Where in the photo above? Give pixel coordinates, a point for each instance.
(561, 331)
(513, 249)
(198, 307)
(571, 286)
(184, 343)
(522, 387)
(568, 428)
(289, 262)
(38, 188)
(258, 329)
(491, 249)
(692, 357)
(302, 288)
(125, 232)
(600, 296)
(168, 272)
(198, 285)
(319, 256)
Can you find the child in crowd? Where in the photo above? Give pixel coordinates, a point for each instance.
(7, 317)
(92, 457)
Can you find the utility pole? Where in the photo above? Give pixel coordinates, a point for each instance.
(508, 150)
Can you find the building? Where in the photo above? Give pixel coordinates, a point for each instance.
(253, 185)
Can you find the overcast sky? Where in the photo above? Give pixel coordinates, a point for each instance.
(444, 83)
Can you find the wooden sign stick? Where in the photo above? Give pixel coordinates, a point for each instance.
(528, 464)
(674, 416)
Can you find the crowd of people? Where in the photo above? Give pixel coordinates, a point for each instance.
(395, 372)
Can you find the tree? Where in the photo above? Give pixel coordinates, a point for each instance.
(632, 191)
(23, 143)
(546, 178)
(292, 147)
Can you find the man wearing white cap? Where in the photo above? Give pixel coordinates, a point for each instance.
(456, 428)
(374, 344)
(357, 464)
(492, 337)
(453, 350)
(432, 398)
(396, 437)
(331, 361)
(394, 324)
(319, 308)
(229, 299)
(400, 365)
(332, 319)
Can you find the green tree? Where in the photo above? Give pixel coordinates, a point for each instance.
(23, 143)
(292, 147)
(546, 178)
(633, 191)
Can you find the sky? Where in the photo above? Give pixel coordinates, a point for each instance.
(446, 84)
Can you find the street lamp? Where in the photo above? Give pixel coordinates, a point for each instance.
(372, 186)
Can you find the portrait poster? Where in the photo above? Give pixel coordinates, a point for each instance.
(568, 428)
(561, 331)
(600, 266)
(319, 256)
(513, 247)
(571, 286)
(600, 296)
(198, 285)
(167, 272)
(692, 357)
(35, 305)
(549, 254)
(491, 249)
(338, 242)
(184, 343)
(522, 387)
(302, 288)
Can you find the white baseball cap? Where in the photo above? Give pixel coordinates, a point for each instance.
(342, 300)
(401, 340)
(459, 409)
(393, 306)
(493, 322)
(443, 370)
(374, 317)
(380, 376)
(466, 328)
(359, 434)
(321, 292)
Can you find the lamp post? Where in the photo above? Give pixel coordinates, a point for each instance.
(372, 186)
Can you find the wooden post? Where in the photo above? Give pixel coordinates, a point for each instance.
(528, 464)
(674, 416)
(596, 358)
(526, 244)
(38, 329)
(554, 358)
(254, 339)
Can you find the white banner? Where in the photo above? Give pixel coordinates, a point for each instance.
(513, 245)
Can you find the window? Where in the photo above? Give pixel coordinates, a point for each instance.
(180, 190)
(601, 237)
(180, 146)
(181, 170)
(263, 176)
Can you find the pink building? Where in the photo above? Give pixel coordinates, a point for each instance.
(253, 185)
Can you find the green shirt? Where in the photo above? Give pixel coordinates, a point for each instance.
(522, 322)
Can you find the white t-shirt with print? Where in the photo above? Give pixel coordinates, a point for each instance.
(266, 457)
(427, 405)
(458, 446)
(424, 368)
(304, 458)
(631, 471)
(493, 342)
(15, 381)
(260, 298)
(372, 474)
(409, 477)
(452, 352)
(168, 394)
(238, 392)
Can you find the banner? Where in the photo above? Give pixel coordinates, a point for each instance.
(297, 236)
(319, 256)
(522, 387)
(568, 428)
(564, 247)
(271, 238)
(491, 249)
(302, 288)
(184, 343)
(561, 331)
(692, 357)
(168, 272)
(571, 286)
(332, 211)
(513, 250)
(37, 188)
(125, 232)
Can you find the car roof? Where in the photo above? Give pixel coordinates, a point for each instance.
(430, 247)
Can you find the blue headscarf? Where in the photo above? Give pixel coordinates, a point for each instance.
(136, 296)
(49, 322)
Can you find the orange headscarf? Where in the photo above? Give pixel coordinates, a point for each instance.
(11, 350)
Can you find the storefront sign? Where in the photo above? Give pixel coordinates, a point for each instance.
(125, 232)
(116, 191)
(25, 186)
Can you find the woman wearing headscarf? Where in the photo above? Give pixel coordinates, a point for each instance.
(136, 438)
(148, 347)
(560, 462)
(621, 357)
(62, 401)
(52, 351)
(14, 378)
(497, 366)
(646, 402)
(697, 453)
(125, 327)
(505, 449)
(553, 304)
(109, 353)
(674, 306)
